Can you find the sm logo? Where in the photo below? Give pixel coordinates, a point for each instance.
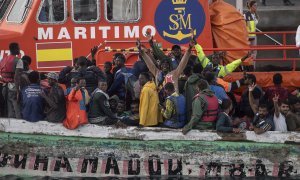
(174, 20)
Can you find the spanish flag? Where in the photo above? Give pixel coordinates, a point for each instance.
(53, 55)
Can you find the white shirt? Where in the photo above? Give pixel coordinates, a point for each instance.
(280, 124)
(298, 37)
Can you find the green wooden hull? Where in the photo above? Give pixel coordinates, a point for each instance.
(70, 156)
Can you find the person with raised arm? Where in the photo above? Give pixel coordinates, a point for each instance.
(262, 121)
(164, 74)
(214, 63)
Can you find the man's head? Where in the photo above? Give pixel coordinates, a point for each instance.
(226, 105)
(107, 66)
(134, 107)
(80, 82)
(115, 57)
(197, 68)
(144, 78)
(26, 61)
(169, 88)
(176, 50)
(82, 61)
(75, 60)
(263, 110)
(34, 77)
(210, 77)
(73, 82)
(277, 79)
(102, 85)
(251, 79)
(14, 48)
(120, 107)
(120, 61)
(52, 78)
(216, 58)
(284, 107)
(113, 102)
(165, 65)
(294, 103)
(202, 85)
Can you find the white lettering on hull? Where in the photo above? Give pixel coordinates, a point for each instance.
(4, 53)
(94, 32)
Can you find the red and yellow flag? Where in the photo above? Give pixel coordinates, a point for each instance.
(53, 55)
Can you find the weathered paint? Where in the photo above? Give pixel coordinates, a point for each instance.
(41, 153)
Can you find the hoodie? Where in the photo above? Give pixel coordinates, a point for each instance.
(190, 92)
(199, 106)
(149, 111)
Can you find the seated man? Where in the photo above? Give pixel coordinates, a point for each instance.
(133, 117)
(284, 118)
(175, 111)
(99, 111)
(121, 109)
(55, 109)
(113, 103)
(281, 109)
(295, 105)
(32, 102)
(205, 109)
(262, 121)
(224, 123)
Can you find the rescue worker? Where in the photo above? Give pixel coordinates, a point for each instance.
(251, 19)
(214, 64)
(205, 109)
(10, 69)
(175, 110)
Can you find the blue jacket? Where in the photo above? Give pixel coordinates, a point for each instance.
(178, 120)
(219, 92)
(32, 103)
(118, 86)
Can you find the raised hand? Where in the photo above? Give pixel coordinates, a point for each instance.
(246, 56)
(138, 44)
(94, 50)
(193, 41)
(251, 87)
(149, 37)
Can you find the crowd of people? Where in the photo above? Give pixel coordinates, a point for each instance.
(178, 90)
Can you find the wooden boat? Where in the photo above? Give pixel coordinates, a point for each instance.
(47, 149)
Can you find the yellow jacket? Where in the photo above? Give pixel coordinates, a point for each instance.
(222, 70)
(149, 112)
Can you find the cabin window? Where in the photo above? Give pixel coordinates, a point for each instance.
(123, 10)
(52, 12)
(19, 10)
(3, 7)
(85, 10)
